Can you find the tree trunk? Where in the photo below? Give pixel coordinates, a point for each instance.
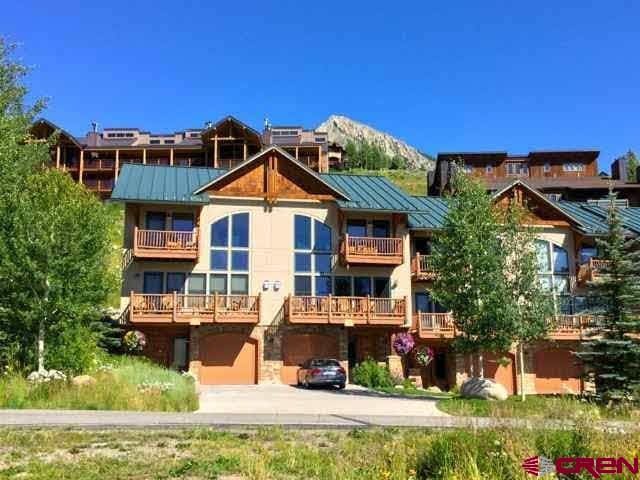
(521, 362)
(471, 369)
(480, 365)
(41, 346)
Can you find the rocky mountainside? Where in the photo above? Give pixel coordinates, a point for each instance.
(341, 129)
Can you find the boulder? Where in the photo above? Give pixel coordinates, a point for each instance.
(83, 380)
(434, 389)
(483, 388)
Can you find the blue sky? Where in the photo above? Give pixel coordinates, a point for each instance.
(444, 76)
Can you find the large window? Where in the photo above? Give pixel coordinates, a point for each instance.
(553, 272)
(517, 168)
(425, 304)
(230, 255)
(312, 257)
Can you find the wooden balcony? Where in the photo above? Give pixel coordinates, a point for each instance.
(434, 325)
(165, 244)
(371, 251)
(571, 327)
(193, 309)
(99, 164)
(561, 327)
(421, 268)
(348, 311)
(589, 271)
(99, 185)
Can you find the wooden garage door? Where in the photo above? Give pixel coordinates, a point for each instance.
(557, 371)
(298, 348)
(228, 359)
(503, 374)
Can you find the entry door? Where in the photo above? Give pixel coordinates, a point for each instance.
(155, 221)
(152, 283)
(182, 222)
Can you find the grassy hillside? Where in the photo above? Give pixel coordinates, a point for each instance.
(413, 182)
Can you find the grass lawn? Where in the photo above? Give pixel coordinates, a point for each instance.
(537, 406)
(127, 383)
(413, 392)
(413, 182)
(386, 454)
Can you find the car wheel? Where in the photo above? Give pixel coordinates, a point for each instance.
(305, 384)
(341, 386)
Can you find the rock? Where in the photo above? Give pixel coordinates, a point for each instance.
(83, 380)
(483, 388)
(341, 129)
(434, 389)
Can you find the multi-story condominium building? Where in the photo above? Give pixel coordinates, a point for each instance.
(562, 175)
(96, 159)
(242, 274)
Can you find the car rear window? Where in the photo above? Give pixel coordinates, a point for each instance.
(324, 362)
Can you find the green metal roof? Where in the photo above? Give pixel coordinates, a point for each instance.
(162, 184)
(432, 213)
(371, 192)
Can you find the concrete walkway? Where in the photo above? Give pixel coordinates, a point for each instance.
(289, 400)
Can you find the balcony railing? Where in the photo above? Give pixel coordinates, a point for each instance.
(434, 325)
(347, 311)
(371, 250)
(588, 271)
(165, 244)
(561, 327)
(193, 309)
(99, 164)
(421, 267)
(98, 185)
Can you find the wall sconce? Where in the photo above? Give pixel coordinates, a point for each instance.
(275, 284)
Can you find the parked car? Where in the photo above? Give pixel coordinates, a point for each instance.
(321, 372)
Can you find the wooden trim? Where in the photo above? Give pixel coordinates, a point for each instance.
(144, 156)
(81, 170)
(117, 163)
(372, 250)
(346, 310)
(171, 156)
(215, 151)
(57, 156)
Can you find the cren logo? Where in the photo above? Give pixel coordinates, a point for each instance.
(539, 466)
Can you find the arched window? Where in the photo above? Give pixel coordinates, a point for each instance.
(312, 257)
(553, 272)
(230, 255)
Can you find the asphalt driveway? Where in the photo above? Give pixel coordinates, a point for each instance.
(285, 399)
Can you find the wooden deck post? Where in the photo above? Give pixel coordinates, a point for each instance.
(57, 156)
(296, 153)
(144, 156)
(171, 156)
(329, 308)
(215, 151)
(215, 306)
(81, 171)
(117, 163)
(244, 149)
(175, 306)
(368, 308)
(131, 307)
(135, 238)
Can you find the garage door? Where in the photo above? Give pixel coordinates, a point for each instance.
(228, 359)
(298, 348)
(503, 374)
(557, 371)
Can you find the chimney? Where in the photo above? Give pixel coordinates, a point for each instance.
(93, 135)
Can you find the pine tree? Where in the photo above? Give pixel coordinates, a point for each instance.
(612, 354)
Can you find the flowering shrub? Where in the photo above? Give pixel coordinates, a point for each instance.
(134, 341)
(403, 343)
(46, 376)
(424, 356)
(151, 387)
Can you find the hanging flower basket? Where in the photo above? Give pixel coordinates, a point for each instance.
(424, 356)
(134, 341)
(403, 344)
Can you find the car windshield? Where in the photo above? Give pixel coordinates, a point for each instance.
(324, 362)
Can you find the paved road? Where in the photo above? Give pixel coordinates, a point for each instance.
(289, 400)
(104, 420)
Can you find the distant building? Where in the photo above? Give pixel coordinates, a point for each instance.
(561, 175)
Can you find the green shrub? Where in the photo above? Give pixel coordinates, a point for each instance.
(74, 350)
(372, 375)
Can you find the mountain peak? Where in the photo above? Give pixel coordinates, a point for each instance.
(341, 129)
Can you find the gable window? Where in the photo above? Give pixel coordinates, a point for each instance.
(312, 257)
(517, 168)
(547, 167)
(154, 142)
(553, 273)
(488, 169)
(230, 255)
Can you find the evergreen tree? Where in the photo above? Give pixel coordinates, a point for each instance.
(632, 166)
(351, 152)
(612, 354)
